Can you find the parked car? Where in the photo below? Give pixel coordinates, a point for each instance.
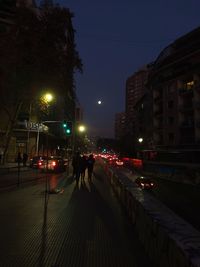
(36, 161)
(54, 164)
(144, 182)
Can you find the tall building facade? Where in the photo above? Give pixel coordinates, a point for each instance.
(135, 90)
(175, 85)
(120, 123)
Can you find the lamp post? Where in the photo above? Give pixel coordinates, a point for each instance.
(78, 129)
(140, 140)
(45, 99)
(81, 128)
(38, 132)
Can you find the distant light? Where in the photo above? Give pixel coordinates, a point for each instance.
(48, 97)
(140, 140)
(99, 102)
(81, 128)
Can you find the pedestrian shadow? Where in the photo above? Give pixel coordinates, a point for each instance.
(89, 212)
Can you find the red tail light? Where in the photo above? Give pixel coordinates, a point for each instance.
(39, 163)
(54, 163)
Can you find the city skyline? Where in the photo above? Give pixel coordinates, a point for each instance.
(114, 46)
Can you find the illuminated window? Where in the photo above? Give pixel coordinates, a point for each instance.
(189, 85)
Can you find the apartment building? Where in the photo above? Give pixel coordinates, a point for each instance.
(175, 85)
(135, 90)
(120, 123)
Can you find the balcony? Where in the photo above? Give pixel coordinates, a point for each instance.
(158, 112)
(197, 124)
(158, 127)
(157, 99)
(197, 87)
(185, 91)
(197, 104)
(185, 108)
(187, 124)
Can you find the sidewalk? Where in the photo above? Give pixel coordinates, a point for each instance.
(12, 167)
(82, 226)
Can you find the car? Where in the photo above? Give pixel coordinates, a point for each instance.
(119, 162)
(54, 164)
(36, 161)
(144, 182)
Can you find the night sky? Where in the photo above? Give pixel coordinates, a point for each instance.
(114, 39)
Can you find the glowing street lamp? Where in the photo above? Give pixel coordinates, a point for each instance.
(140, 140)
(81, 128)
(46, 98)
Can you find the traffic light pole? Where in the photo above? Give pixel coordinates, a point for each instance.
(38, 133)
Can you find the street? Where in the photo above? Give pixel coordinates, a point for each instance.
(182, 199)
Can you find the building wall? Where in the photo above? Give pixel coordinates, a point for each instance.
(120, 120)
(175, 83)
(135, 89)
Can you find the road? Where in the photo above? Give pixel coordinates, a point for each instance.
(80, 226)
(182, 198)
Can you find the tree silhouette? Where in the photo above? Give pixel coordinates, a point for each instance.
(38, 50)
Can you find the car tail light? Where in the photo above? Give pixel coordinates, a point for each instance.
(54, 163)
(119, 163)
(39, 163)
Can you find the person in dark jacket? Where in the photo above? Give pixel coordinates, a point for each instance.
(19, 158)
(25, 158)
(90, 166)
(76, 163)
(83, 167)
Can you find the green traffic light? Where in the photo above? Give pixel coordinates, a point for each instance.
(68, 131)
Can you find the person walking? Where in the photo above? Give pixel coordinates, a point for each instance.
(90, 166)
(19, 158)
(83, 166)
(1, 155)
(25, 158)
(76, 163)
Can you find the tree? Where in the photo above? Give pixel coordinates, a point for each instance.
(17, 68)
(37, 51)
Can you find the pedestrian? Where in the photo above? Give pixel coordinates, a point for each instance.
(25, 158)
(83, 166)
(19, 158)
(76, 163)
(1, 155)
(90, 166)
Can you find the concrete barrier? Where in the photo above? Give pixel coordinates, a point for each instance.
(168, 239)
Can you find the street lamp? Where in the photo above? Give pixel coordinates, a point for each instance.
(81, 128)
(77, 136)
(46, 98)
(140, 140)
